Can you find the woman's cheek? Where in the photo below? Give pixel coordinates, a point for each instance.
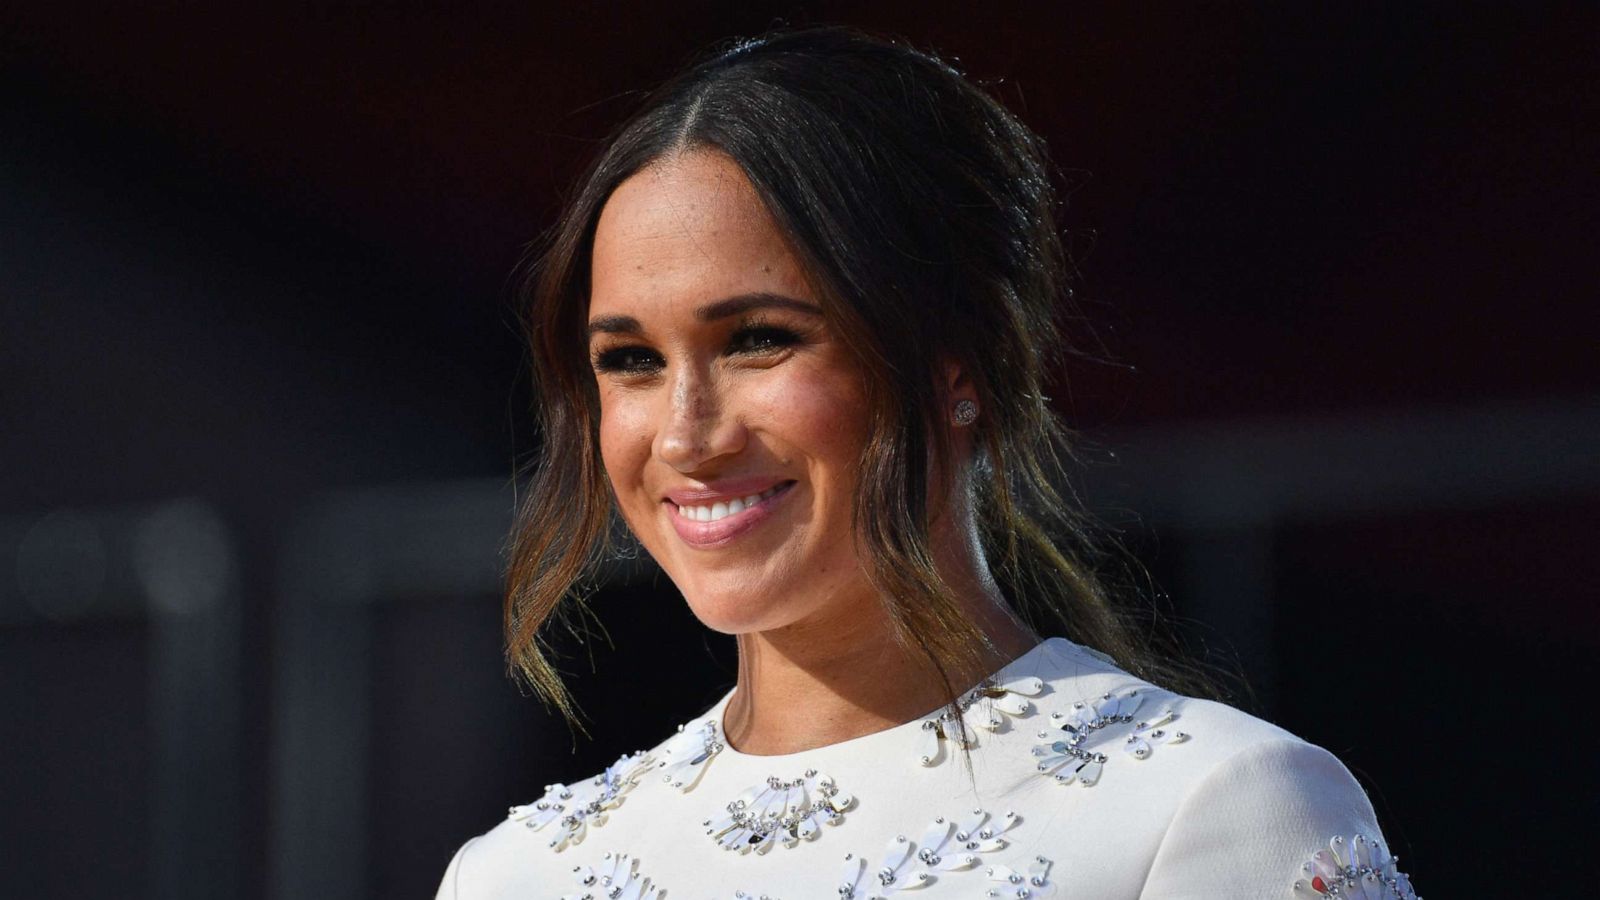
(624, 443)
(823, 413)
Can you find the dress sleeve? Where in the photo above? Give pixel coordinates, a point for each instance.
(452, 874)
(1280, 819)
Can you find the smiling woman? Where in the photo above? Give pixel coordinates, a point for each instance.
(725, 384)
(794, 330)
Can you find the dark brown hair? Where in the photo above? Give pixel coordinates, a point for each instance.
(926, 214)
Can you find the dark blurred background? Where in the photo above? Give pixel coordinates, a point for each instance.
(261, 399)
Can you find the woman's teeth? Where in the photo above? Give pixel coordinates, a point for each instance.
(722, 510)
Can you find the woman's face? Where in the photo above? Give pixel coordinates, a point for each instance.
(731, 417)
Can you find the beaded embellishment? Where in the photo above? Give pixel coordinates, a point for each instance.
(780, 811)
(617, 878)
(1034, 883)
(1358, 869)
(944, 847)
(578, 806)
(575, 807)
(683, 758)
(1087, 725)
(980, 707)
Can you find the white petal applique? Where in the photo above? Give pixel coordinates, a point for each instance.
(1033, 883)
(1107, 706)
(1361, 850)
(988, 707)
(916, 880)
(1004, 873)
(1039, 872)
(983, 714)
(938, 850)
(989, 838)
(574, 808)
(1013, 704)
(683, 758)
(616, 878)
(1089, 774)
(930, 743)
(1029, 686)
(577, 807)
(957, 861)
(954, 846)
(934, 837)
(852, 880)
(894, 855)
(780, 811)
(1077, 747)
(967, 827)
(1355, 869)
(942, 850)
(614, 866)
(895, 873)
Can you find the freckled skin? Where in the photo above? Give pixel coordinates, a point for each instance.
(685, 232)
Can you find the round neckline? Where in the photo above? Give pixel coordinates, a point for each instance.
(1031, 662)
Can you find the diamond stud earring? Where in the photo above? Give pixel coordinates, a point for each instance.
(965, 412)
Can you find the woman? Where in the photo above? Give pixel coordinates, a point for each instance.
(794, 330)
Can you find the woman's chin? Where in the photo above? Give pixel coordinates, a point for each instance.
(733, 617)
(742, 611)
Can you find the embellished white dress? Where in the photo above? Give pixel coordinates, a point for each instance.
(1086, 783)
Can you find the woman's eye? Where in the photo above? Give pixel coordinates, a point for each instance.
(627, 360)
(761, 339)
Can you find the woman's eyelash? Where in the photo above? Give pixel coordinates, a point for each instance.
(752, 338)
(759, 338)
(624, 360)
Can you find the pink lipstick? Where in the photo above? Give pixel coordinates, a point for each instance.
(710, 517)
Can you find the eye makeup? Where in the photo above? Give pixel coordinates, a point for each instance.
(758, 334)
(755, 336)
(628, 360)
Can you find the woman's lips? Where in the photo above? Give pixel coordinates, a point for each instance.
(707, 535)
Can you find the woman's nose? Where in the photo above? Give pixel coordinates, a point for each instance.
(698, 424)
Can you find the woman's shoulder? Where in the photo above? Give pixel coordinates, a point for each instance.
(1085, 683)
(1084, 691)
(1264, 812)
(498, 863)
(1248, 808)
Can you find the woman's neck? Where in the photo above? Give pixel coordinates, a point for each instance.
(817, 683)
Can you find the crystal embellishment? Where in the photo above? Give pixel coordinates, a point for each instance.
(1022, 885)
(984, 707)
(575, 807)
(1355, 869)
(1075, 754)
(683, 758)
(945, 846)
(780, 811)
(616, 878)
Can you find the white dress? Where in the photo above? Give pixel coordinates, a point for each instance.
(1085, 783)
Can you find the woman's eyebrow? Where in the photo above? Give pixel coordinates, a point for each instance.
(613, 325)
(739, 303)
(731, 306)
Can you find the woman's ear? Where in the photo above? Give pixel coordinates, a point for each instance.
(960, 394)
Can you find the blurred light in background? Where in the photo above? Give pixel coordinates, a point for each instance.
(261, 401)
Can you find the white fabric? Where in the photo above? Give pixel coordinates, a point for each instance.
(1232, 812)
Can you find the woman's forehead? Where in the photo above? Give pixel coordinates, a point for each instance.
(690, 226)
